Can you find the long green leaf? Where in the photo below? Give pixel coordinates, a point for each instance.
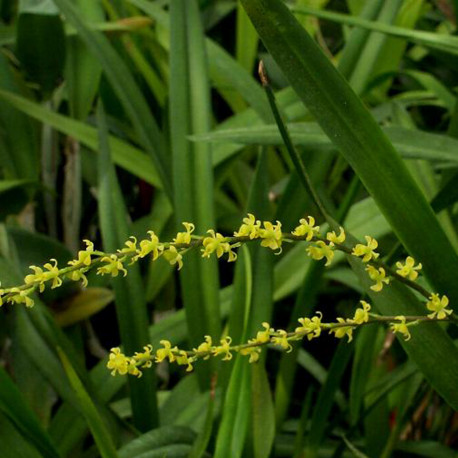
(126, 89)
(125, 155)
(101, 436)
(193, 173)
(445, 43)
(411, 143)
(129, 295)
(13, 404)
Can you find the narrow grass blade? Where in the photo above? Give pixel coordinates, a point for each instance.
(16, 408)
(445, 43)
(126, 89)
(129, 295)
(125, 155)
(100, 433)
(192, 170)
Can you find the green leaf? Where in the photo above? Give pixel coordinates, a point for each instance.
(13, 404)
(441, 42)
(125, 88)
(192, 170)
(124, 155)
(411, 143)
(263, 416)
(129, 295)
(157, 439)
(100, 433)
(40, 43)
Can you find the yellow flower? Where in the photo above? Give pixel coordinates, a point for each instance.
(166, 352)
(319, 251)
(377, 275)
(184, 360)
(21, 297)
(249, 228)
(333, 238)
(52, 274)
(112, 266)
(438, 307)
(224, 349)
(78, 275)
(118, 362)
(173, 257)
(145, 358)
(408, 270)
(307, 228)
(252, 352)
(367, 252)
(131, 246)
(312, 327)
(271, 236)
(205, 347)
(185, 237)
(2, 292)
(215, 243)
(401, 327)
(343, 331)
(150, 246)
(362, 314)
(282, 340)
(38, 276)
(264, 336)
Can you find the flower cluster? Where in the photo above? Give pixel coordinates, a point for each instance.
(311, 328)
(319, 247)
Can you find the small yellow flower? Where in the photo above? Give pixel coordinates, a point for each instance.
(185, 237)
(172, 256)
(333, 238)
(118, 362)
(307, 227)
(215, 243)
(52, 274)
(38, 276)
(264, 336)
(130, 246)
(2, 292)
(21, 297)
(112, 266)
(77, 275)
(343, 331)
(252, 352)
(312, 327)
(282, 340)
(401, 327)
(367, 252)
(166, 352)
(362, 314)
(145, 358)
(224, 349)
(438, 307)
(205, 347)
(271, 236)
(249, 228)
(321, 250)
(377, 275)
(409, 269)
(150, 246)
(184, 360)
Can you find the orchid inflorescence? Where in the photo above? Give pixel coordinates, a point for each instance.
(271, 236)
